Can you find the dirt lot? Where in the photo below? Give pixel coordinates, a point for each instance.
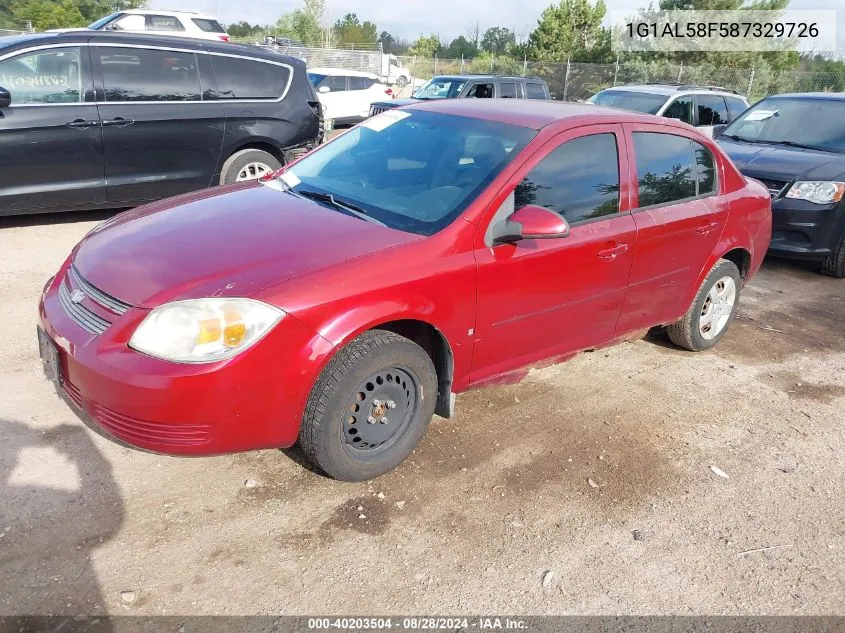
(493, 500)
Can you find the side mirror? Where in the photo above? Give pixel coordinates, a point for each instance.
(5, 98)
(532, 222)
(324, 89)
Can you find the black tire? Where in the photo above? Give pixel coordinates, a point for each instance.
(834, 265)
(687, 332)
(341, 402)
(244, 158)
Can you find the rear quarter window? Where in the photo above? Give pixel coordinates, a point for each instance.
(534, 91)
(736, 106)
(209, 26)
(243, 78)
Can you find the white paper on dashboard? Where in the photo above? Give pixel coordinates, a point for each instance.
(761, 115)
(384, 120)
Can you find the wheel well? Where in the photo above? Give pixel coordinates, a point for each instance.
(742, 259)
(271, 149)
(435, 344)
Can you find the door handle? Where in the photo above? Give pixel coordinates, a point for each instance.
(707, 228)
(610, 254)
(82, 124)
(117, 122)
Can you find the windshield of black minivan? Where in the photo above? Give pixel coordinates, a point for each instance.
(814, 123)
(413, 171)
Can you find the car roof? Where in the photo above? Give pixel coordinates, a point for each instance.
(165, 12)
(673, 89)
(812, 96)
(340, 71)
(537, 114)
(142, 39)
(488, 77)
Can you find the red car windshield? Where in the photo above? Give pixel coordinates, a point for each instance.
(412, 171)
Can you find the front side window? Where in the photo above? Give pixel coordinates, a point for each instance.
(481, 91)
(440, 88)
(812, 123)
(240, 78)
(413, 171)
(334, 83)
(138, 74)
(667, 168)
(163, 23)
(681, 109)
(579, 180)
(712, 110)
(50, 76)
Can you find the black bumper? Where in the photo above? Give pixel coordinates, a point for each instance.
(804, 230)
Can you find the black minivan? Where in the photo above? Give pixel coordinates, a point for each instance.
(795, 145)
(99, 120)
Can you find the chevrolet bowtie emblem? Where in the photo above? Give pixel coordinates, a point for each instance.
(77, 296)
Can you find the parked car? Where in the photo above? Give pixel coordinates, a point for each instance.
(343, 301)
(471, 86)
(347, 94)
(795, 145)
(106, 120)
(157, 22)
(708, 108)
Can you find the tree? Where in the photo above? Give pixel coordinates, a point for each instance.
(497, 40)
(299, 25)
(387, 41)
(243, 29)
(427, 47)
(570, 27)
(349, 30)
(461, 47)
(54, 14)
(474, 34)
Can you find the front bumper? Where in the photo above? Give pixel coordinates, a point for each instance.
(804, 230)
(252, 401)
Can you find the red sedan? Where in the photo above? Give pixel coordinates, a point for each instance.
(345, 300)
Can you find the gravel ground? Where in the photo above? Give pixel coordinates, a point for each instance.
(598, 471)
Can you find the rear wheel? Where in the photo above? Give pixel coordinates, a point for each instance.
(712, 310)
(834, 265)
(248, 164)
(369, 407)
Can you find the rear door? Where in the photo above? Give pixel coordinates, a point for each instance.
(679, 217)
(333, 93)
(161, 136)
(361, 95)
(51, 143)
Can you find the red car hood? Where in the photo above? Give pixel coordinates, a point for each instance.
(230, 241)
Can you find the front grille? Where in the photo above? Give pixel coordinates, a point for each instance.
(107, 301)
(137, 431)
(378, 109)
(83, 317)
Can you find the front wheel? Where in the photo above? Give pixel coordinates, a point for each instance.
(712, 310)
(834, 265)
(370, 407)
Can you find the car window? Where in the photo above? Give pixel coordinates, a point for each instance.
(736, 106)
(507, 90)
(99, 24)
(481, 91)
(415, 171)
(209, 26)
(51, 76)
(360, 83)
(705, 169)
(239, 78)
(712, 110)
(131, 22)
(630, 100)
(576, 188)
(666, 171)
(164, 23)
(534, 91)
(440, 88)
(334, 83)
(139, 74)
(681, 109)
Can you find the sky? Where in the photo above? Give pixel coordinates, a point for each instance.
(408, 19)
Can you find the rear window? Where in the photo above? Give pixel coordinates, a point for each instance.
(209, 26)
(534, 91)
(630, 100)
(239, 78)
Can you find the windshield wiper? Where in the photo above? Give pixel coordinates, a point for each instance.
(734, 137)
(353, 209)
(801, 145)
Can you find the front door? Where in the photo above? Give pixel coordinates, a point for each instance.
(679, 218)
(51, 144)
(161, 139)
(541, 299)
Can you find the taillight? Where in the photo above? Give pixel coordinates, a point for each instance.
(224, 37)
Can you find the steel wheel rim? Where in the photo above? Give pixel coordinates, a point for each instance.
(380, 412)
(717, 309)
(251, 171)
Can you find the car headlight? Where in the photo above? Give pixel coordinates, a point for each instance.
(204, 330)
(820, 192)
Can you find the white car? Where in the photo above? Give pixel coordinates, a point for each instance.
(346, 95)
(154, 22)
